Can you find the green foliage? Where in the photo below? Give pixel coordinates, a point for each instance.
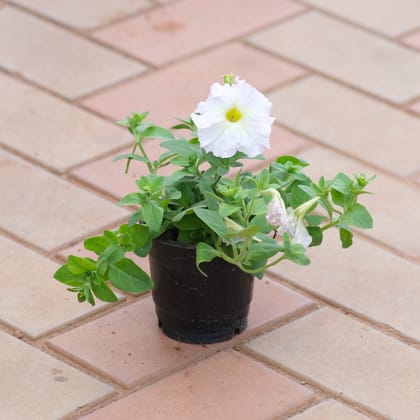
(224, 215)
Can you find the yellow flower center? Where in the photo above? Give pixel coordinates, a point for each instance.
(233, 115)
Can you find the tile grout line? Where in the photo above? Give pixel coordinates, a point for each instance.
(71, 102)
(80, 34)
(345, 310)
(302, 378)
(84, 321)
(196, 53)
(231, 40)
(356, 25)
(400, 37)
(219, 347)
(152, 6)
(346, 154)
(59, 173)
(317, 72)
(192, 55)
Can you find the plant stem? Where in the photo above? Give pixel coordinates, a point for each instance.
(148, 163)
(329, 225)
(129, 159)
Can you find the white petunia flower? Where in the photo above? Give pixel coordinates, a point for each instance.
(296, 229)
(235, 117)
(289, 221)
(276, 210)
(301, 235)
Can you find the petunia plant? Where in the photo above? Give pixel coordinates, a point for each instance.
(251, 220)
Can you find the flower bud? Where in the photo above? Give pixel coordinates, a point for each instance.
(304, 207)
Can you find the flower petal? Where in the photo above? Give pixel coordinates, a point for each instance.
(248, 133)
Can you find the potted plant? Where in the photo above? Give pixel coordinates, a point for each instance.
(210, 227)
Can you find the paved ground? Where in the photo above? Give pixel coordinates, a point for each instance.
(337, 340)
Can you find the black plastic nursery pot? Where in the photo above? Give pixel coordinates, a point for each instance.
(193, 308)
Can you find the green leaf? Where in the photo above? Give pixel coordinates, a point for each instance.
(226, 209)
(346, 238)
(263, 179)
(263, 250)
(81, 296)
(261, 221)
(294, 252)
(88, 294)
(125, 275)
(314, 220)
(135, 218)
(183, 161)
(133, 121)
(298, 196)
(341, 199)
(155, 132)
(260, 207)
(292, 159)
(97, 244)
(189, 222)
(152, 216)
(183, 147)
(357, 216)
(246, 233)
(140, 235)
(311, 190)
(112, 254)
(79, 265)
(316, 234)
(133, 156)
(205, 253)
(212, 219)
(131, 199)
(103, 292)
(111, 237)
(181, 127)
(342, 183)
(64, 275)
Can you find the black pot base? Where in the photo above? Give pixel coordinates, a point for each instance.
(203, 336)
(193, 308)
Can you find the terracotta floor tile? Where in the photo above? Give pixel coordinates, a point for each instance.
(127, 345)
(367, 287)
(176, 30)
(213, 389)
(384, 16)
(45, 210)
(25, 308)
(57, 59)
(349, 358)
(413, 40)
(415, 107)
(330, 410)
(50, 121)
(147, 353)
(193, 80)
(390, 226)
(372, 131)
(85, 14)
(34, 385)
(109, 175)
(356, 57)
(272, 302)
